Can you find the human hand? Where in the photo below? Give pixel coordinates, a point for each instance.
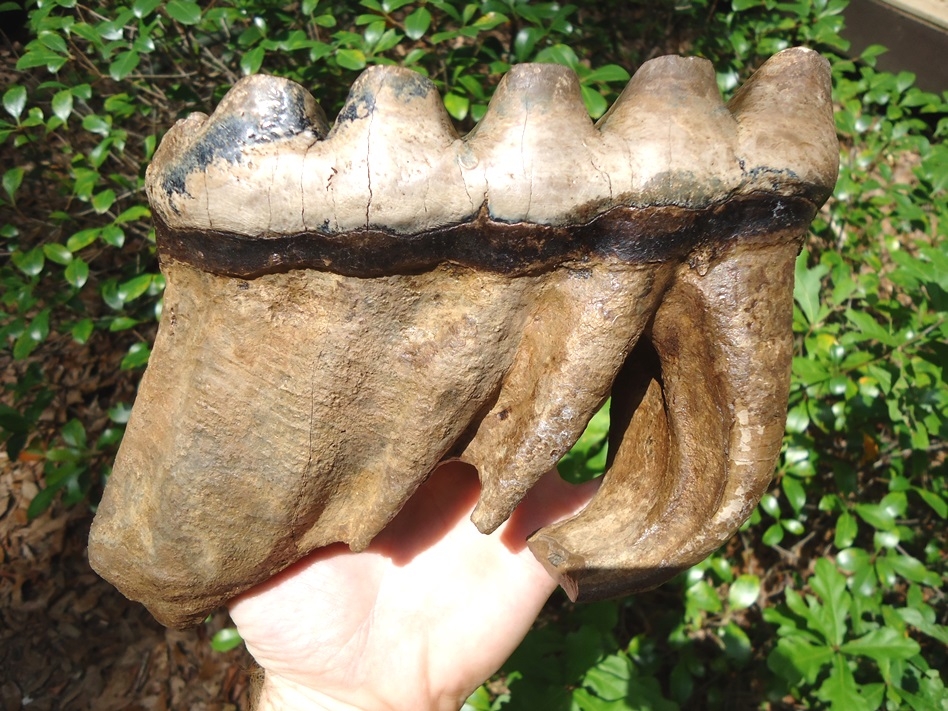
(419, 619)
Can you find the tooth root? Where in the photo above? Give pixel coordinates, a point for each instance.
(787, 132)
(583, 325)
(680, 138)
(724, 344)
(239, 459)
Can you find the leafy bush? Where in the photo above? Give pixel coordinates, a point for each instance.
(830, 597)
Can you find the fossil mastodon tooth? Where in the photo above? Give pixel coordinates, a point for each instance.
(347, 307)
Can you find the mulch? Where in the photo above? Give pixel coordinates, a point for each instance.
(69, 640)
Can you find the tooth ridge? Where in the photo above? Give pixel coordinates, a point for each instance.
(721, 151)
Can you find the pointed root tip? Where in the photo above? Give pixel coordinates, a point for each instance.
(585, 580)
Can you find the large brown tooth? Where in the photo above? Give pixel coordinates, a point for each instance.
(347, 308)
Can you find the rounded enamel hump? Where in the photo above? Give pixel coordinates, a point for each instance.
(218, 173)
(787, 131)
(680, 138)
(388, 161)
(537, 143)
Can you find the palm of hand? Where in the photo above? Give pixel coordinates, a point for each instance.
(419, 619)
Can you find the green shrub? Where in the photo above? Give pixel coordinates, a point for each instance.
(830, 596)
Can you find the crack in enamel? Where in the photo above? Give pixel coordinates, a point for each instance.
(348, 307)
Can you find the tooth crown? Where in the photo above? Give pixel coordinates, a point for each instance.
(264, 164)
(349, 306)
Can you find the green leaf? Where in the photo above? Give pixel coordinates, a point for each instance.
(744, 591)
(184, 11)
(938, 504)
(791, 525)
(38, 329)
(133, 214)
(77, 272)
(769, 503)
(143, 8)
(916, 619)
(830, 585)
(608, 73)
(226, 639)
(23, 346)
(57, 253)
(62, 104)
(609, 679)
(773, 535)
(841, 691)
(559, 54)
(96, 124)
(251, 62)
(737, 645)
(101, 202)
(41, 502)
(13, 421)
(808, 371)
(796, 659)
(794, 492)
(124, 64)
(596, 105)
(119, 413)
(882, 644)
(14, 101)
(82, 91)
(846, 529)
(913, 569)
(137, 356)
(122, 323)
(12, 179)
(350, 59)
(135, 287)
(480, 700)
(373, 33)
(74, 434)
(704, 597)
(525, 41)
(30, 263)
(877, 516)
(489, 20)
(41, 57)
(868, 328)
(807, 287)
(83, 238)
(53, 41)
(417, 23)
(82, 330)
(456, 105)
(112, 235)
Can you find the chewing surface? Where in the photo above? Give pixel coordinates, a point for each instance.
(349, 306)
